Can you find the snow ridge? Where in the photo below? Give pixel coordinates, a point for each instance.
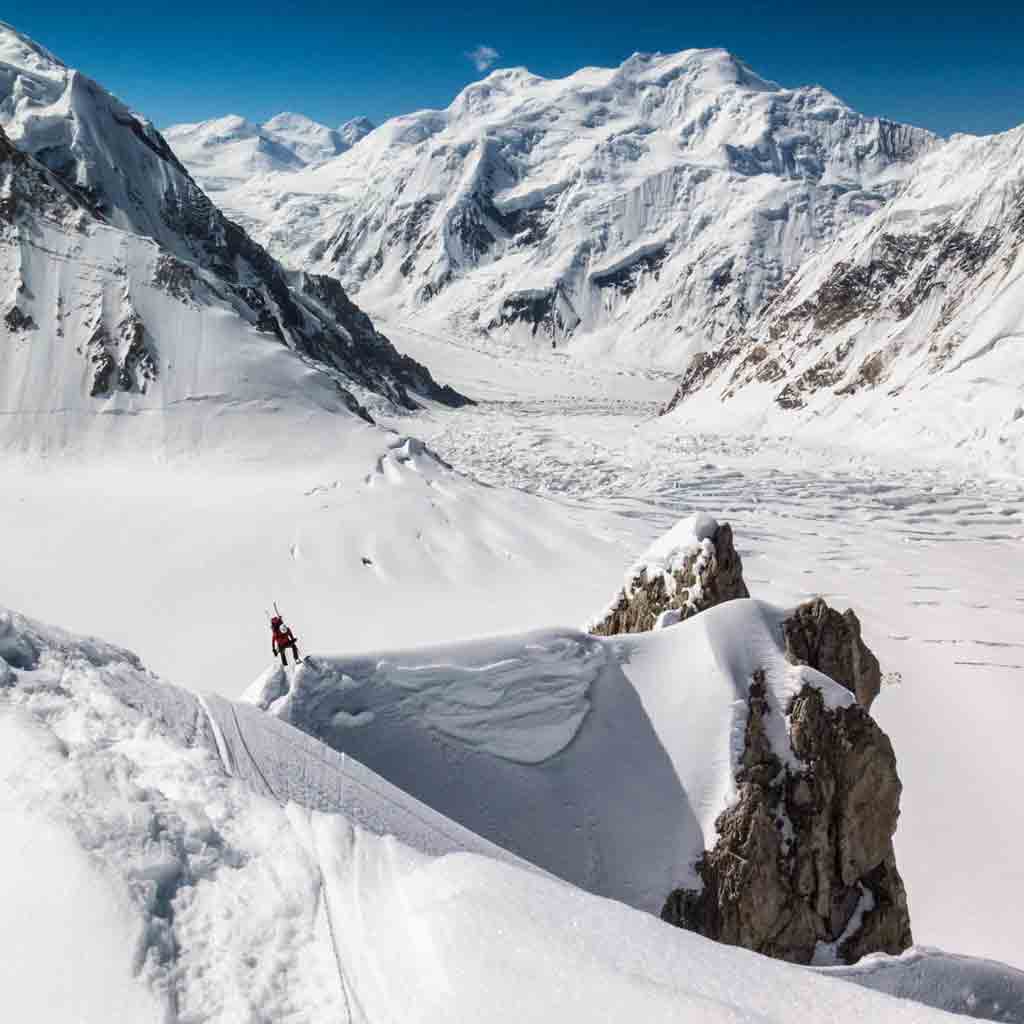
(567, 725)
(193, 895)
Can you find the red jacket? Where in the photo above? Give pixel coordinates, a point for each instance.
(282, 638)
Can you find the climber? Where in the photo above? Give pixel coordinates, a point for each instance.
(281, 639)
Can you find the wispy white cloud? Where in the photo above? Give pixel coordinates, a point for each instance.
(483, 57)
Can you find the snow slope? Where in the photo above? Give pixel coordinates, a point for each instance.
(962, 985)
(362, 529)
(112, 346)
(646, 210)
(905, 332)
(230, 150)
(606, 762)
(245, 872)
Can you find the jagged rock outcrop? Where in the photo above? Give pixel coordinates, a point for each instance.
(803, 868)
(821, 637)
(694, 567)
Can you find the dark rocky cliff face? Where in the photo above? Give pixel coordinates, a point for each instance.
(819, 636)
(804, 867)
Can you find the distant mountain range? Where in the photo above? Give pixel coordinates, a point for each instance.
(229, 150)
(794, 261)
(799, 264)
(645, 211)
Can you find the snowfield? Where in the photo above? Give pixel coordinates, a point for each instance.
(245, 872)
(558, 492)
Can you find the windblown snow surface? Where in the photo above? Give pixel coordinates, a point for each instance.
(204, 861)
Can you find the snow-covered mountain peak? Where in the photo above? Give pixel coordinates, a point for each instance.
(125, 289)
(307, 139)
(289, 120)
(648, 209)
(231, 150)
(21, 51)
(355, 129)
(714, 67)
(216, 131)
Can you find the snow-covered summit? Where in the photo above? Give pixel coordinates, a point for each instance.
(648, 209)
(230, 150)
(356, 128)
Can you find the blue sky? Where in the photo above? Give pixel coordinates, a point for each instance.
(948, 68)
